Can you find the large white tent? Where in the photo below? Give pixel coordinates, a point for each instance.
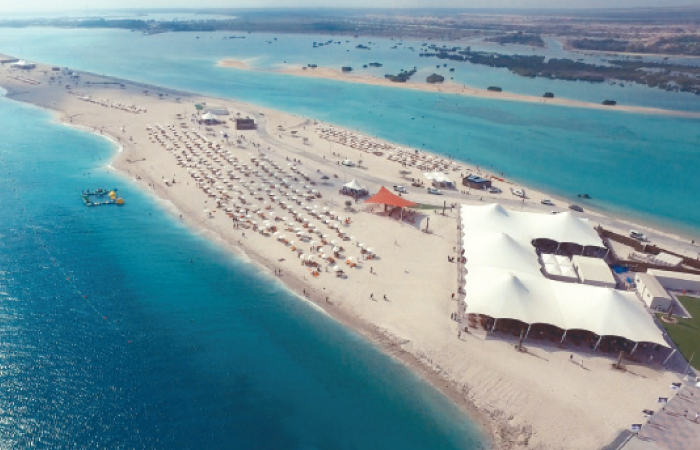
(562, 227)
(504, 277)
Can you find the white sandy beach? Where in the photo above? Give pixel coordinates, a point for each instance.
(534, 400)
(451, 88)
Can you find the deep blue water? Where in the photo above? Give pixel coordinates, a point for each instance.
(121, 329)
(640, 166)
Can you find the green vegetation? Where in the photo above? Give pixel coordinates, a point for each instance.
(519, 38)
(435, 78)
(426, 206)
(686, 333)
(402, 77)
(671, 77)
(684, 44)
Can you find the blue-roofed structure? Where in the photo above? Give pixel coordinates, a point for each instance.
(476, 182)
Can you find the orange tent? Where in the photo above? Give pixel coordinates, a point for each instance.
(385, 197)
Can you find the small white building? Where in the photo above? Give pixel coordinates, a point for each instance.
(652, 292)
(678, 281)
(23, 64)
(593, 271)
(217, 110)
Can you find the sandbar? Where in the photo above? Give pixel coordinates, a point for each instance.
(449, 87)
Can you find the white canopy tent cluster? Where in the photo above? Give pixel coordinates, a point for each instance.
(438, 178)
(504, 277)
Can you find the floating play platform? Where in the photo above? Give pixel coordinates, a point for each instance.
(90, 198)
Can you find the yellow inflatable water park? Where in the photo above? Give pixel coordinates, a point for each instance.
(97, 197)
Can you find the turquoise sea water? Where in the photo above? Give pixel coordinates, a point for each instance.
(640, 166)
(113, 337)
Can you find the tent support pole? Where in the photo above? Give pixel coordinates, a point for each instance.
(528, 331)
(669, 357)
(597, 343)
(635, 348)
(495, 321)
(563, 337)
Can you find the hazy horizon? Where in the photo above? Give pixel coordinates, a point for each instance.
(43, 6)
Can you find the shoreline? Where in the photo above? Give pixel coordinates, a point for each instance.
(383, 340)
(452, 88)
(420, 353)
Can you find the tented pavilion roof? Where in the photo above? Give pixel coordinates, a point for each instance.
(504, 277)
(209, 116)
(354, 185)
(385, 197)
(562, 227)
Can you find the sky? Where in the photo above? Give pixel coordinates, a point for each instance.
(24, 6)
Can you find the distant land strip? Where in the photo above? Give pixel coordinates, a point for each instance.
(451, 88)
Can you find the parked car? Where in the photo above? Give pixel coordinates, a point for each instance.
(494, 190)
(547, 202)
(400, 189)
(637, 235)
(575, 208)
(348, 163)
(432, 190)
(518, 192)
